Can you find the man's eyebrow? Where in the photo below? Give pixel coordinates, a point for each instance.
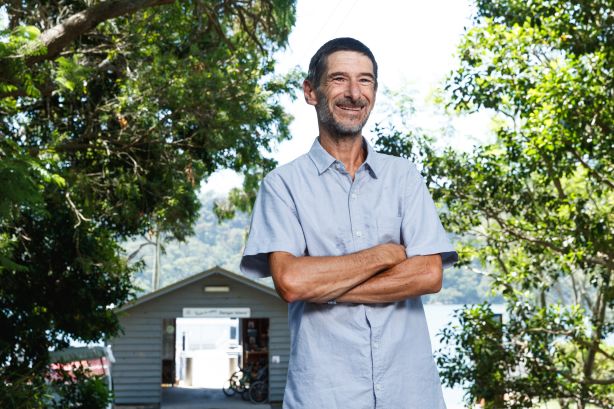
(343, 73)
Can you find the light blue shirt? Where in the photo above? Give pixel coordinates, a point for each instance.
(359, 356)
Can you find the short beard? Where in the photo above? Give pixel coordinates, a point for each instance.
(338, 130)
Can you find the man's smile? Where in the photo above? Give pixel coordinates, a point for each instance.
(346, 108)
(350, 106)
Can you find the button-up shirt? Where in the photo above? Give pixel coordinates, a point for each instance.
(351, 355)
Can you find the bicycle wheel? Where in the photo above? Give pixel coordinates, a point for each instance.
(228, 388)
(258, 392)
(245, 391)
(233, 385)
(241, 384)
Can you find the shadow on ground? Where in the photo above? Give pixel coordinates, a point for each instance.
(201, 398)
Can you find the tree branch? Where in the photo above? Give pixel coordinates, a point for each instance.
(593, 381)
(58, 37)
(135, 252)
(591, 170)
(606, 262)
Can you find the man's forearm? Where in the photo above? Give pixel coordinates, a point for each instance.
(415, 276)
(320, 279)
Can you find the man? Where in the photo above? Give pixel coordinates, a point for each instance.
(352, 240)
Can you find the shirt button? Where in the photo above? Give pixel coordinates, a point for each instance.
(353, 195)
(376, 345)
(378, 387)
(358, 233)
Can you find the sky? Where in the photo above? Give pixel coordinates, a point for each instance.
(414, 43)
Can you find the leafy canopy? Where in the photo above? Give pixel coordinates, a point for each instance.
(111, 115)
(536, 206)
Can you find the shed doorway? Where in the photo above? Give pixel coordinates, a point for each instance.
(207, 351)
(255, 342)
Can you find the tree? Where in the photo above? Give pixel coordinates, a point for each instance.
(213, 243)
(111, 115)
(536, 206)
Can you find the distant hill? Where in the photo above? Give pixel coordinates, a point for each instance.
(221, 244)
(213, 244)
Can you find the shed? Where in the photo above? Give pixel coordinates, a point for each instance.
(144, 353)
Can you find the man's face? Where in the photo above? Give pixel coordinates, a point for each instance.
(346, 93)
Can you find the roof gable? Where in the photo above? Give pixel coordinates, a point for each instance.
(195, 278)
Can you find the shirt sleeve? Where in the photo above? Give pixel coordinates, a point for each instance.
(421, 228)
(274, 227)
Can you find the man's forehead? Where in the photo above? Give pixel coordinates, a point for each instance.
(349, 60)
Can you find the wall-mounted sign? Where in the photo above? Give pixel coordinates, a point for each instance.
(216, 312)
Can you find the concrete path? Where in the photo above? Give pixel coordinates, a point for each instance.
(199, 398)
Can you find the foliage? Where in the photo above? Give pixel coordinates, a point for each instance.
(485, 359)
(106, 131)
(536, 206)
(79, 389)
(214, 243)
(24, 391)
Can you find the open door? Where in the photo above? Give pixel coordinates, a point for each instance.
(255, 334)
(168, 351)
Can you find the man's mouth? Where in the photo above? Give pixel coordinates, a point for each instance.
(350, 108)
(347, 104)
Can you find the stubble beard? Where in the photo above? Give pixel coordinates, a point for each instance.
(337, 129)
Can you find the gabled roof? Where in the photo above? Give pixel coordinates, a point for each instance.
(197, 277)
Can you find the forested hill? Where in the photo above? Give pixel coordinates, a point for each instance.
(221, 244)
(212, 244)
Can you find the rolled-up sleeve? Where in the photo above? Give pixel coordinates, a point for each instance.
(274, 227)
(421, 228)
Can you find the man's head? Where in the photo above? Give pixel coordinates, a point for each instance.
(341, 84)
(317, 65)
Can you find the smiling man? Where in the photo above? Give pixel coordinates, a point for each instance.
(352, 240)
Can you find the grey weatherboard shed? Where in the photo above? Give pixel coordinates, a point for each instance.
(137, 372)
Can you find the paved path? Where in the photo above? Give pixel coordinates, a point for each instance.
(199, 398)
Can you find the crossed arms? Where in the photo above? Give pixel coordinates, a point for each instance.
(378, 274)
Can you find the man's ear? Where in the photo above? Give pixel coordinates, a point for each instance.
(310, 93)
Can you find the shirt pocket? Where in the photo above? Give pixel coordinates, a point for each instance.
(389, 229)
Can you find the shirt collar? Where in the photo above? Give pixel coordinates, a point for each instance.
(324, 160)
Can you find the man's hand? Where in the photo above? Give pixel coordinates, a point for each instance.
(418, 275)
(394, 253)
(321, 279)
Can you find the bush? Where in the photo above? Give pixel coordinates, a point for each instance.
(79, 389)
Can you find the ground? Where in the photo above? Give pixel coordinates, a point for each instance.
(200, 398)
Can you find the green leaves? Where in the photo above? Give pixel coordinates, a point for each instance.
(110, 134)
(536, 206)
(71, 75)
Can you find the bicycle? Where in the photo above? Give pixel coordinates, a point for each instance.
(259, 390)
(238, 382)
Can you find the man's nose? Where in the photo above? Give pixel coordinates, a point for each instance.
(353, 90)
